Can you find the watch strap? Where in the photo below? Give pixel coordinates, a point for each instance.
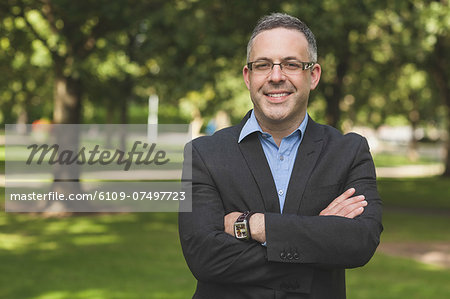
(246, 216)
(242, 216)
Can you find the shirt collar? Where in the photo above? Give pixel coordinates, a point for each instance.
(252, 125)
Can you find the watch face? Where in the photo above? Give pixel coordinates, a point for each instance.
(240, 230)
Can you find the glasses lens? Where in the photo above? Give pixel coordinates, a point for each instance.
(292, 67)
(262, 66)
(289, 67)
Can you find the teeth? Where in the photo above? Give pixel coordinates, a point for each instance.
(278, 95)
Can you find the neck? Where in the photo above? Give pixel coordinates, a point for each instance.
(279, 130)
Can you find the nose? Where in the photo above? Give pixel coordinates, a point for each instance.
(277, 75)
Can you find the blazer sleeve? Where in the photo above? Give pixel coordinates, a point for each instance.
(214, 256)
(331, 241)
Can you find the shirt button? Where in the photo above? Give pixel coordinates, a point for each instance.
(280, 192)
(296, 256)
(281, 158)
(289, 256)
(283, 255)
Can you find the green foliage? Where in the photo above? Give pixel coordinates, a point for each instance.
(25, 91)
(381, 60)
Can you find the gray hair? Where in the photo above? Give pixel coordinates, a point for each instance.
(277, 20)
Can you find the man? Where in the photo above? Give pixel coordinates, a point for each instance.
(280, 204)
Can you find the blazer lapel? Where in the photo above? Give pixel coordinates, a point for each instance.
(307, 155)
(257, 163)
(256, 160)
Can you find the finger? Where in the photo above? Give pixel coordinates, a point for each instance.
(342, 197)
(346, 206)
(349, 204)
(355, 213)
(352, 209)
(336, 209)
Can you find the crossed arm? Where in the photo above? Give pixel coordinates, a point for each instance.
(345, 205)
(336, 238)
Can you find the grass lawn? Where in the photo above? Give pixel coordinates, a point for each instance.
(418, 193)
(389, 160)
(397, 278)
(105, 256)
(415, 210)
(138, 255)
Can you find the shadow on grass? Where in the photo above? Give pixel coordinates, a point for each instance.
(105, 256)
(393, 278)
(138, 255)
(422, 193)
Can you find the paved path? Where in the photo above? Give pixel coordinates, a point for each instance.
(410, 171)
(386, 172)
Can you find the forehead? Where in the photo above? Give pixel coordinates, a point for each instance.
(279, 43)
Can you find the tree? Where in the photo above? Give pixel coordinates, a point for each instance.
(417, 32)
(69, 31)
(24, 84)
(436, 18)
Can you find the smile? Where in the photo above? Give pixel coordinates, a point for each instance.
(278, 95)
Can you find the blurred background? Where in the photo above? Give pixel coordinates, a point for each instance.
(386, 75)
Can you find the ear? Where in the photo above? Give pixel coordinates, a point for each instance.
(315, 76)
(246, 74)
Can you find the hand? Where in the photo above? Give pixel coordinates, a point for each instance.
(345, 205)
(257, 225)
(229, 221)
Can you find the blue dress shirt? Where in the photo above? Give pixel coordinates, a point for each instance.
(281, 159)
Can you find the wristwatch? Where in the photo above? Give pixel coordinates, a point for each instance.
(242, 226)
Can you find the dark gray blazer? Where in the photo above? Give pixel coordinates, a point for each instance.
(306, 254)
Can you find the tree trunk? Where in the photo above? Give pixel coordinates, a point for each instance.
(413, 117)
(22, 119)
(447, 146)
(196, 123)
(441, 77)
(333, 112)
(67, 100)
(67, 110)
(123, 113)
(110, 112)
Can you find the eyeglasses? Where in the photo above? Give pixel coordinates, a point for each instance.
(289, 67)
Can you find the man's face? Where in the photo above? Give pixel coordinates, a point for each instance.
(280, 99)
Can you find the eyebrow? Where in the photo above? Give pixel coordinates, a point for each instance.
(283, 59)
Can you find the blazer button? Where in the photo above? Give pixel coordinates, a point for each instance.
(296, 256)
(289, 256)
(283, 255)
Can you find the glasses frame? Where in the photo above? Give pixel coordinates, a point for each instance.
(305, 65)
